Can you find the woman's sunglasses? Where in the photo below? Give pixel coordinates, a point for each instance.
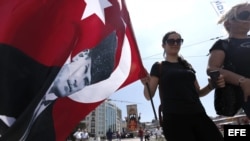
(172, 42)
(243, 16)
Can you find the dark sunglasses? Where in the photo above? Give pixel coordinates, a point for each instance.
(243, 16)
(173, 41)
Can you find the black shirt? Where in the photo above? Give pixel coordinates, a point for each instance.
(239, 54)
(179, 95)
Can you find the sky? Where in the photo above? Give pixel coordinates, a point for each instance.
(195, 20)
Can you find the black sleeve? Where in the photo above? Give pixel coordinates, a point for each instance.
(155, 70)
(218, 45)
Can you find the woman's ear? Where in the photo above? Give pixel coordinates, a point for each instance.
(227, 25)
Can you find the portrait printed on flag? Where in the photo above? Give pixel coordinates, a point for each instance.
(87, 67)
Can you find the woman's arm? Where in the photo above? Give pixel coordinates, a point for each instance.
(215, 62)
(202, 91)
(209, 87)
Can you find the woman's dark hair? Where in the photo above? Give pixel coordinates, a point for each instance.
(183, 61)
(166, 36)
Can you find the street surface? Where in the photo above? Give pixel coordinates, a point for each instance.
(138, 139)
(152, 138)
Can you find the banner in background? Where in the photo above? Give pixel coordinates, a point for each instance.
(219, 7)
(132, 117)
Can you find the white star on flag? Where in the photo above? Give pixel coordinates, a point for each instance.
(96, 7)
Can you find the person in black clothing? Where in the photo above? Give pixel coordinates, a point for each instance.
(183, 113)
(147, 135)
(109, 135)
(237, 24)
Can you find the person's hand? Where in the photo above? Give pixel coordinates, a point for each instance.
(246, 89)
(220, 83)
(145, 80)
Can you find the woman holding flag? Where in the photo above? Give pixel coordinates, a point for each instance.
(183, 113)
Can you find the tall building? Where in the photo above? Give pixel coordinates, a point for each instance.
(106, 115)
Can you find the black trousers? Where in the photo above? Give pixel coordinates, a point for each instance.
(191, 127)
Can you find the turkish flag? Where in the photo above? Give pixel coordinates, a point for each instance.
(61, 59)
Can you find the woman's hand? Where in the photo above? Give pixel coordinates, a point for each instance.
(145, 80)
(150, 85)
(245, 88)
(220, 82)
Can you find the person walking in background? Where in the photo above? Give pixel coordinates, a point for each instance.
(109, 135)
(183, 113)
(237, 24)
(118, 135)
(85, 135)
(140, 133)
(158, 134)
(147, 135)
(78, 135)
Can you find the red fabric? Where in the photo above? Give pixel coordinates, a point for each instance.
(45, 30)
(68, 114)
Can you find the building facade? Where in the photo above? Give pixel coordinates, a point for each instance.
(106, 116)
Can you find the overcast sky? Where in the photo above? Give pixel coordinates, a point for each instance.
(196, 20)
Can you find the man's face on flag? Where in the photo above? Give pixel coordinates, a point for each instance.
(73, 76)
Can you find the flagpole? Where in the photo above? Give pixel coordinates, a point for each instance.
(151, 99)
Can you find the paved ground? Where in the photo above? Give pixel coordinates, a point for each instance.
(138, 139)
(152, 138)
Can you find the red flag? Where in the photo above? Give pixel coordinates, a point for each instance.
(104, 58)
(128, 68)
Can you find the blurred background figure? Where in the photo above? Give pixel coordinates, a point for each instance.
(78, 135)
(109, 135)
